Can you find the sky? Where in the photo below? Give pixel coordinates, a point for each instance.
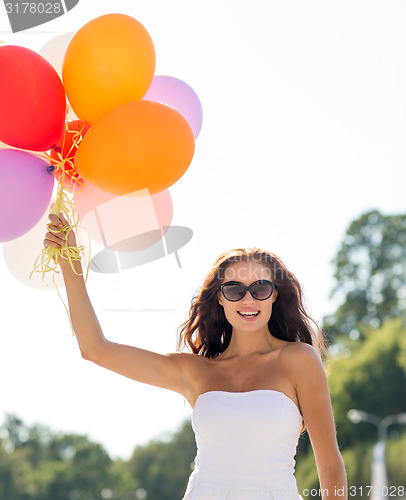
(304, 125)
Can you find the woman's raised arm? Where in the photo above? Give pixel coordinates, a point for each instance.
(167, 371)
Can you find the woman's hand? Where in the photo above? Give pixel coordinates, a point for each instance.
(57, 237)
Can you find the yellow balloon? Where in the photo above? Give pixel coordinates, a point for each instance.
(108, 62)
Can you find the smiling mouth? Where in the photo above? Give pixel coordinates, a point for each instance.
(249, 315)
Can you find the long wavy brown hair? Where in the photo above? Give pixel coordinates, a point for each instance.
(207, 331)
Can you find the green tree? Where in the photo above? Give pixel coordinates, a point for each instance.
(370, 273)
(124, 485)
(163, 468)
(10, 473)
(358, 465)
(369, 377)
(38, 464)
(82, 469)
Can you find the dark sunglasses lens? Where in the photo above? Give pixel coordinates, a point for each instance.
(262, 290)
(233, 292)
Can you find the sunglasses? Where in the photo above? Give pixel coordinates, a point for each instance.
(235, 291)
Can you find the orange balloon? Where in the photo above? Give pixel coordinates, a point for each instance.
(109, 61)
(138, 145)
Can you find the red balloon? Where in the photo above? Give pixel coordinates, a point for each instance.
(32, 100)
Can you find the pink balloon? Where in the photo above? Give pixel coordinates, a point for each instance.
(179, 96)
(25, 192)
(126, 223)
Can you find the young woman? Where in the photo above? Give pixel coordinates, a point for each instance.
(254, 378)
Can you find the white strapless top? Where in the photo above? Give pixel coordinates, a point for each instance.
(246, 443)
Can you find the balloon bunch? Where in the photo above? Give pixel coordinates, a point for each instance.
(132, 132)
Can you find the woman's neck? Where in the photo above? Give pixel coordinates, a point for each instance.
(243, 343)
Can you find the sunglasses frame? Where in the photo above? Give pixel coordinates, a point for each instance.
(246, 288)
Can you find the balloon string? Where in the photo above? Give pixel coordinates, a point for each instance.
(48, 260)
(69, 156)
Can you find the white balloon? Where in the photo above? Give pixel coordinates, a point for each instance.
(54, 51)
(21, 253)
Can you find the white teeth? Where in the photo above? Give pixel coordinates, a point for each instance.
(249, 313)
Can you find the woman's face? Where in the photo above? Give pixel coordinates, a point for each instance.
(247, 273)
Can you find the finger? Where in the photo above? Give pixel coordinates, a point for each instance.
(48, 243)
(55, 220)
(55, 238)
(56, 229)
(63, 218)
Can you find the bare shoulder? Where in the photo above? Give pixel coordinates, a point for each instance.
(299, 356)
(299, 350)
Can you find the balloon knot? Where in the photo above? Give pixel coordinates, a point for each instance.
(51, 168)
(58, 149)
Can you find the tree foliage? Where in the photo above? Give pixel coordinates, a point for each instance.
(36, 463)
(370, 377)
(370, 273)
(164, 468)
(358, 465)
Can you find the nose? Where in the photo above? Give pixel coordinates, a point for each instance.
(248, 298)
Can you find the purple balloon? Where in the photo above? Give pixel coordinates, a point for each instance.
(25, 192)
(179, 96)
